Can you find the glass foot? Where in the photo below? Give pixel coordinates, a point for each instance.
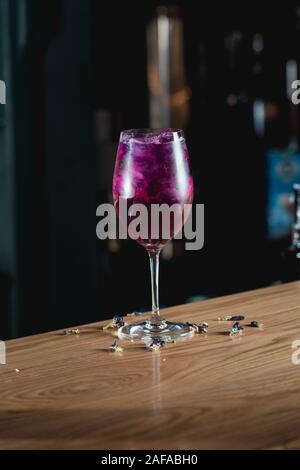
(146, 330)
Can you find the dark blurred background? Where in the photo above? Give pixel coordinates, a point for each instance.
(77, 72)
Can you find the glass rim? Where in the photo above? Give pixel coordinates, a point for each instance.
(152, 131)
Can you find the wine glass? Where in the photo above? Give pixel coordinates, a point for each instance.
(152, 168)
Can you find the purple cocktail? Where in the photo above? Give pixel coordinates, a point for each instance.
(152, 169)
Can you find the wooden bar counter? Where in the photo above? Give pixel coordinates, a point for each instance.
(207, 392)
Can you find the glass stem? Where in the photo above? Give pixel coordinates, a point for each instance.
(154, 268)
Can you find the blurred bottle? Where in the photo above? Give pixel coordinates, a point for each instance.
(283, 156)
(291, 256)
(168, 90)
(244, 121)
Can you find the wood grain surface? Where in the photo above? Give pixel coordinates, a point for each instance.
(207, 392)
